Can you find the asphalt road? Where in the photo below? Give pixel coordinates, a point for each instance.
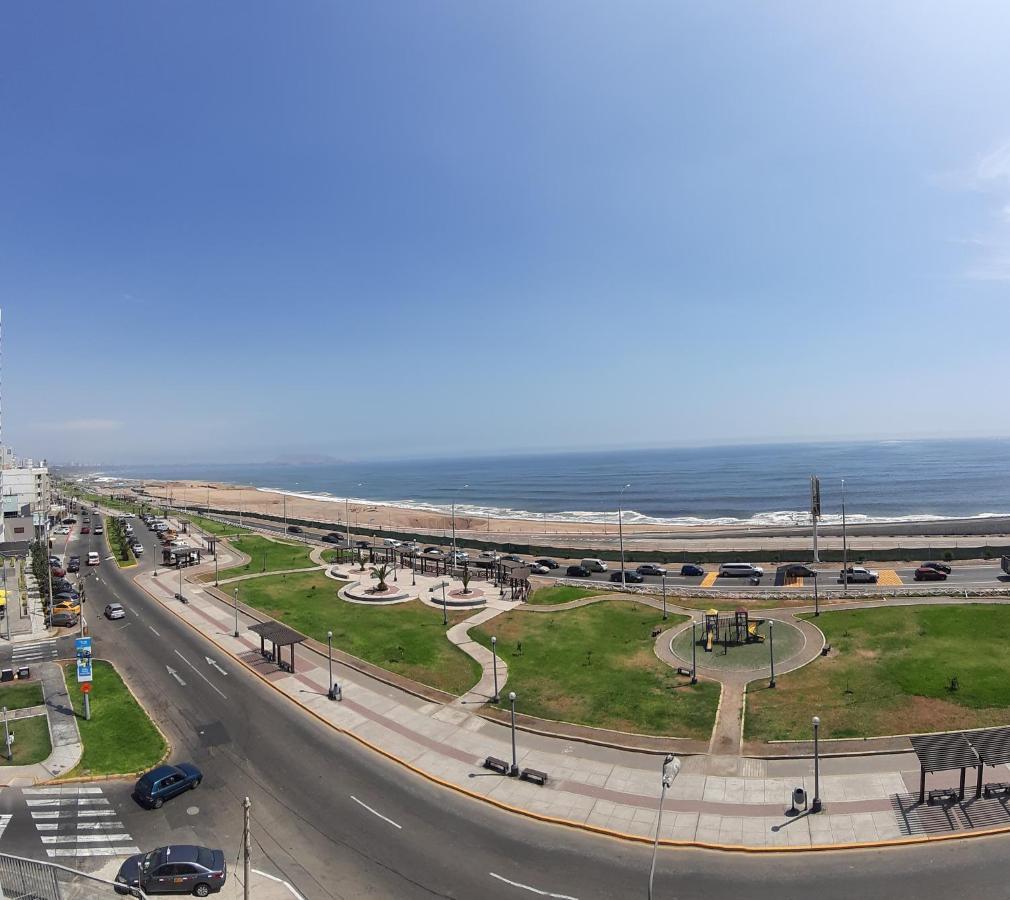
(302, 779)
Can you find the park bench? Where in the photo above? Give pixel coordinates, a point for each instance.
(497, 765)
(996, 788)
(534, 775)
(942, 795)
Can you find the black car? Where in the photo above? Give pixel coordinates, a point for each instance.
(432, 550)
(650, 569)
(336, 535)
(940, 567)
(61, 585)
(74, 565)
(547, 562)
(800, 571)
(176, 869)
(330, 539)
(513, 558)
(165, 782)
(629, 577)
(690, 570)
(294, 529)
(577, 572)
(363, 544)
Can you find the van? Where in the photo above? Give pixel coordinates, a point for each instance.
(740, 570)
(594, 565)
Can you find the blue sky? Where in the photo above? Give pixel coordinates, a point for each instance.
(236, 230)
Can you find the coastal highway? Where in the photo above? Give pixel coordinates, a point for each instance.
(429, 842)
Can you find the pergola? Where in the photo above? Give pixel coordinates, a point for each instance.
(944, 753)
(279, 636)
(992, 747)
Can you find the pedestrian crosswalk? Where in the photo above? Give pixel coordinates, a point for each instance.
(77, 821)
(38, 651)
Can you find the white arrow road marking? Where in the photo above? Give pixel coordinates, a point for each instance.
(175, 675)
(533, 890)
(211, 662)
(198, 672)
(4, 822)
(294, 893)
(155, 630)
(374, 813)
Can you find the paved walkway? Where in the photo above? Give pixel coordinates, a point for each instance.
(717, 799)
(492, 665)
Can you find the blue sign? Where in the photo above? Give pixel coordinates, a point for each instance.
(83, 646)
(83, 668)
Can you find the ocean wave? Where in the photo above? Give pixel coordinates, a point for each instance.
(780, 518)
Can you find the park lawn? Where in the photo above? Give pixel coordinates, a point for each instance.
(334, 554)
(119, 547)
(31, 741)
(562, 593)
(405, 638)
(21, 696)
(890, 672)
(120, 738)
(595, 666)
(212, 526)
(267, 556)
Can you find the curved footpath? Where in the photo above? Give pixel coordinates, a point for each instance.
(602, 789)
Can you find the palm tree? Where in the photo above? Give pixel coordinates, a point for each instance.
(381, 572)
(465, 578)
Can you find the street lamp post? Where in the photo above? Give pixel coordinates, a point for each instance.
(694, 653)
(235, 634)
(815, 806)
(664, 596)
(494, 666)
(465, 486)
(514, 771)
(329, 660)
(771, 649)
(413, 568)
(445, 613)
(817, 607)
(671, 768)
(845, 547)
(620, 526)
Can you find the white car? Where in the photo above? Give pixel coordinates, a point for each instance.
(115, 611)
(93, 559)
(858, 575)
(537, 569)
(61, 529)
(138, 549)
(489, 554)
(392, 542)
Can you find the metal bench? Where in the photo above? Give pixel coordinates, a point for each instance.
(943, 795)
(997, 788)
(535, 776)
(497, 765)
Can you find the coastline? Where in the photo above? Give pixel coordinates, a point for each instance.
(385, 515)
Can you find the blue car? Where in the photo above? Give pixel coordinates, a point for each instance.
(165, 782)
(691, 570)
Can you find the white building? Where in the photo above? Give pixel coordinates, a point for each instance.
(24, 485)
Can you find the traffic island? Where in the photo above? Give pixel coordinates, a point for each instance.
(120, 738)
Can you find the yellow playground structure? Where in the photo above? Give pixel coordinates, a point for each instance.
(735, 628)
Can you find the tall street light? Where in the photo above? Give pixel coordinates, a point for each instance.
(694, 654)
(664, 596)
(514, 771)
(845, 547)
(494, 666)
(465, 486)
(671, 768)
(620, 526)
(329, 658)
(815, 806)
(771, 650)
(236, 613)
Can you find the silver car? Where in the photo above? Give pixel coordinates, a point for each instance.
(115, 611)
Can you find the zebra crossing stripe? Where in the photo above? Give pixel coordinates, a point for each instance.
(82, 826)
(5, 820)
(71, 813)
(83, 838)
(69, 801)
(93, 851)
(66, 790)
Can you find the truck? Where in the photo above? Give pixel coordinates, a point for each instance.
(858, 575)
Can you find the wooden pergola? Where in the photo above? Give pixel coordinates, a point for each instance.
(279, 636)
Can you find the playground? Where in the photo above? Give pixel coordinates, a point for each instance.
(737, 641)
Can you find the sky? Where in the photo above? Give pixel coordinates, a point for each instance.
(238, 231)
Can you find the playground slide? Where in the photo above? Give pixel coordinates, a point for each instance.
(752, 630)
(708, 642)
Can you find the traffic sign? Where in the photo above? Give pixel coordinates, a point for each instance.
(82, 646)
(86, 687)
(83, 669)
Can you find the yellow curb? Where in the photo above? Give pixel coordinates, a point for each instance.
(569, 823)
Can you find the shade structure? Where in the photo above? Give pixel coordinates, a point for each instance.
(942, 753)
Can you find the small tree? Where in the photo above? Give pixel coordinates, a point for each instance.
(381, 572)
(361, 560)
(465, 578)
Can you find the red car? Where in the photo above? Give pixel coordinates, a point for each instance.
(925, 573)
(85, 529)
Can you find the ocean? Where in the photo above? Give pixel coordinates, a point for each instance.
(885, 481)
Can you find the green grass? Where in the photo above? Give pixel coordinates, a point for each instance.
(891, 671)
(31, 742)
(561, 593)
(266, 556)
(120, 737)
(118, 544)
(406, 638)
(595, 665)
(333, 555)
(21, 696)
(212, 526)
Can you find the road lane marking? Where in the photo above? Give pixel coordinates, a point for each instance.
(533, 890)
(175, 675)
(72, 813)
(374, 813)
(213, 662)
(70, 801)
(198, 672)
(83, 838)
(155, 630)
(94, 851)
(889, 577)
(709, 579)
(75, 790)
(294, 893)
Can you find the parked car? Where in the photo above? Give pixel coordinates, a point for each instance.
(175, 869)
(74, 565)
(55, 561)
(629, 577)
(63, 619)
(740, 570)
(537, 569)
(459, 556)
(137, 548)
(68, 605)
(800, 571)
(512, 557)
(165, 782)
(70, 521)
(857, 575)
(294, 529)
(939, 566)
(594, 565)
(61, 529)
(432, 550)
(925, 573)
(489, 554)
(577, 572)
(57, 572)
(66, 595)
(690, 570)
(93, 559)
(547, 561)
(115, 611)
(411, 545)
(650, 569)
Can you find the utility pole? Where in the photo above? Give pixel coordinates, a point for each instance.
(815, 509)
(620, 526)
(845, 547)
(246, 849)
